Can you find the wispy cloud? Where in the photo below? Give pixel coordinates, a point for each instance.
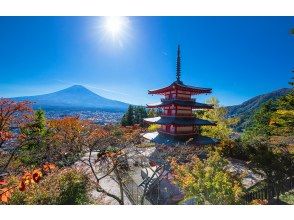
(164, 53)
(90, 86)
(106, 90)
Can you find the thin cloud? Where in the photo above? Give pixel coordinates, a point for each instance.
(107, 90)
(93, 87)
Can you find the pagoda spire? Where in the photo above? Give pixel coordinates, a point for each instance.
(178, 74)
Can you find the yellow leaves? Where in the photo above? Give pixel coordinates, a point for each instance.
(207, 180)
(259, 202)
(153, 127)
(285, 112)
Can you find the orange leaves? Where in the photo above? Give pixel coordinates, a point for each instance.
(22, 186)
(26, 180)
(48, 167)
(5, 194)
(13, 113)
(99, 133)
(36, 176)
(68, 125)
(5, 135)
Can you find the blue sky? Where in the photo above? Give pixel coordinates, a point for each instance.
(238, 57)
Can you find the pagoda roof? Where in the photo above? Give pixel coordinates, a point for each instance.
(164, 139)
(184, 103)
(179, 121)
(180, 85)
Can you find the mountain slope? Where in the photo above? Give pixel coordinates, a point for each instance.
(74, 97)
(246, 109)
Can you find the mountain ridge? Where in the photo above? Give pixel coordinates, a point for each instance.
(76, 96)
(247, 108)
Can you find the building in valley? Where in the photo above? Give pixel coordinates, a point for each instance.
(177, 121)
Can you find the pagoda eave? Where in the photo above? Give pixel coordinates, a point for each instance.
(193, 105)
(182, 87)
(179, 121)
(168, 139)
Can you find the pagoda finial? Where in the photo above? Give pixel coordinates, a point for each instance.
(178, 74)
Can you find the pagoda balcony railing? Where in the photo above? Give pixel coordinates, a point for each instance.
(178, 98)
(178, 114)
(174, 133)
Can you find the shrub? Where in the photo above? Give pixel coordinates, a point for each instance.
(64, 187)
(234, 149)
(208, 181)
(153, 127)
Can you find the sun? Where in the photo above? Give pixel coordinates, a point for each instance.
(116, 27)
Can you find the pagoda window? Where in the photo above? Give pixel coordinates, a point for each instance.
(184, 112)
(184, 108)
(185, 129)
(172, 129)
(183, 96)
(167, 95)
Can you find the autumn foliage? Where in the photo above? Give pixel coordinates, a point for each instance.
(25, 181)
(207, 181)
(12, 114)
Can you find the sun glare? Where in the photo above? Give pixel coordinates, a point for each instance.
(116, 27)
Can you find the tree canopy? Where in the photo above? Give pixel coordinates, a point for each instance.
(208, 181)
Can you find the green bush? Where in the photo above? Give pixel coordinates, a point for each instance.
(65, 187)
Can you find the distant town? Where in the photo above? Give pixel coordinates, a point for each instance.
(97, 116)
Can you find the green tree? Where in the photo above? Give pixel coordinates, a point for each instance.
(272, 118)
(128, 118)
(223, 128)
(276, 163)
(151, 113)
(139, 114)
(134, 115)
(260, 121)
(208, 181)
(291, 83)
(33, 147)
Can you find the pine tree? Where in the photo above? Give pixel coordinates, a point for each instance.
(134, 115)
(129, 116)
(137, 115)
(35, 134)
(291, 83)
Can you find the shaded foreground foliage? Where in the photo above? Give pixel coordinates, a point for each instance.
(62, 187)
(208, 181)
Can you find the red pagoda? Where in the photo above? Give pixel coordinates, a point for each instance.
(177, 120)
